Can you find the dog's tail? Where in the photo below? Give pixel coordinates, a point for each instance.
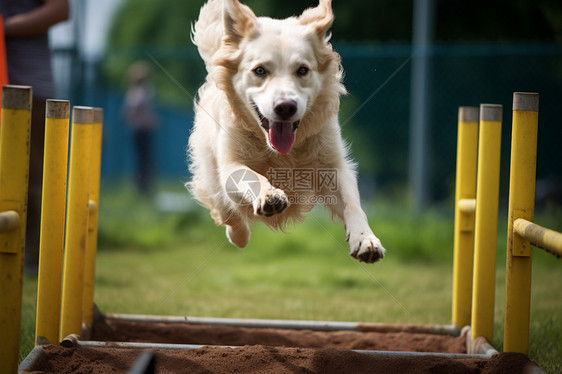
(207, 32)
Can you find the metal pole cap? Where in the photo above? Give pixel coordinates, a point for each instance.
(468, 114)
(17, 97)
(57, 109)
(491, 112)
(82, 115)
(528, 101)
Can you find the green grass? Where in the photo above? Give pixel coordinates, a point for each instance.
(154, 262)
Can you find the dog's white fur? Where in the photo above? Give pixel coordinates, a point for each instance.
(253, 64)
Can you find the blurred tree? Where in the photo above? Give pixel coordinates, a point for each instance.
(499, 20)
(357, 21)
(159, 30)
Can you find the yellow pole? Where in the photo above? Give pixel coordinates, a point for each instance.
(76, 222)
(94, 187)
(52, 222)
(14, 158)
(465, 192)
(521, 205)
(486, 225)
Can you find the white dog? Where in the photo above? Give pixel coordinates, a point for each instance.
(266, 143)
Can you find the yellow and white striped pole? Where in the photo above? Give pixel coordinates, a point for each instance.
(486, 224)
(521, 205)
(76, 222)
(94, 188)
(52, 222)
(465, 193)
(14, 168)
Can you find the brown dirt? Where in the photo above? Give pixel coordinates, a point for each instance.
(267, 359)
(272, 351)
(181, 333)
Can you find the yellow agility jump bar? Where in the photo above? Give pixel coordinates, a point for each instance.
(540, 237)
(14, 166)
(9, 220)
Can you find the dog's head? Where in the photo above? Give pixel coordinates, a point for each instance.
(281, 77)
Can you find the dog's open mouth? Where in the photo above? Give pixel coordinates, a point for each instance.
(281, 133)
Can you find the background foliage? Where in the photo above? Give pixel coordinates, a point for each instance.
(142, 24)
(477, 56)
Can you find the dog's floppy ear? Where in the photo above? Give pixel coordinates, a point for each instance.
(320, 18)
(238, 20)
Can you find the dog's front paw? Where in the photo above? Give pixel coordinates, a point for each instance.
(273, 201)
(365, 248)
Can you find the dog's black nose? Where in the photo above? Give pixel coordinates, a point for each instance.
(285, 109)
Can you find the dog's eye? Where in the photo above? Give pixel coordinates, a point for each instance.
(303, 70)
(260, 71)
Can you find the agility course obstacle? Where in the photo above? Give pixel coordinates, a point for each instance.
(522, 232)
(51, 245)
(83, 195)
(14, 164)
(475, 235)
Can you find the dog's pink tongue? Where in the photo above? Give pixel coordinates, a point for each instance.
(281, 136)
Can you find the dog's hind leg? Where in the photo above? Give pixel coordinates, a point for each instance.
(237, 230)
(238, 235)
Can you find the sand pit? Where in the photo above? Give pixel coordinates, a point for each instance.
(267, 350)
(267, 359)
(183, 333)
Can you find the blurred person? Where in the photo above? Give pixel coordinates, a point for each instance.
(26, 23)
(141, 118)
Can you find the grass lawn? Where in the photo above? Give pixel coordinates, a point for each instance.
(172, 263)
